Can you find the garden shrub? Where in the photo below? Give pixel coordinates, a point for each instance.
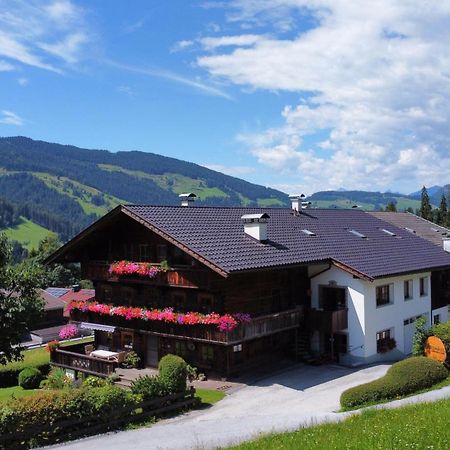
(93, 381)
(132, 360)
(149, 387)
(421, 334)
(100, 406)
(30, 378)
(442, 331)
(173, 372)
(58, 379)
(402, 378)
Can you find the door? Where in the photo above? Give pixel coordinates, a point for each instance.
(152, 351)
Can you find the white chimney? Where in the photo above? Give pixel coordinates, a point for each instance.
(446, 242)
(255, 225)
(187, 199)
(297, 202)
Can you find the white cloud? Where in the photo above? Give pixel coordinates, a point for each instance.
(42, 34)
(23, 81)
(5, 66)
(125, 90)
(181, 45)
(244, 40)
(10, 118)
(374, 89)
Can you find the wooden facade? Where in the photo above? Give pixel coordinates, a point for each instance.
(277, 301)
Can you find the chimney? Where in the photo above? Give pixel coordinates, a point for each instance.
(255, 225)
(187, 199)
(446, 242)
(76, 287)
(296, 201)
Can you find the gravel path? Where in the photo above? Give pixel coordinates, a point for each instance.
(304, 395)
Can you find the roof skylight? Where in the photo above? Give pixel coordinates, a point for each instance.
(309, 233)
(357, 233)
(390, 233)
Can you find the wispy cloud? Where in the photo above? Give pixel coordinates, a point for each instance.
(23, 81)
(125, 90)
(5, 66)
(172, 76)
(49, 35)
(181, 45)
(11, 118)
(135, 26)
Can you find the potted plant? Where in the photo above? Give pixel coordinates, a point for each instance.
(386, 345)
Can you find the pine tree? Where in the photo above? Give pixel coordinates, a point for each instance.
(441, 214)
(425, 206)
(391, 207)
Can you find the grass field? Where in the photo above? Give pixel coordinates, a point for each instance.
(424, 426)
(28, 233)
(15, 392)
(208, 396)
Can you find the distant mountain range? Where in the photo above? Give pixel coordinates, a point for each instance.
(61, 188)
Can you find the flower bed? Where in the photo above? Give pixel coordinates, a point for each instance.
(226, 322)
(132, 268)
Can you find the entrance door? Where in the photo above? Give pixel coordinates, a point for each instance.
(152, 351)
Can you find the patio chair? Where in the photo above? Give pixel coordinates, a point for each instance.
(88, 349)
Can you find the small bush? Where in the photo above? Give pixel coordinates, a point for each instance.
(30, 378)
(92, 381)
(58, 379)
(132, 360)
(405, 377)
(149, 387)
(173, 372)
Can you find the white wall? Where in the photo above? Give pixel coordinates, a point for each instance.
(365, 319)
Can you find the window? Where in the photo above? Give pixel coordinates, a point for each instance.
(436, 319)
(181, 348)
(161, 252)
(179, 300)
(206, 302)
(128, 295)
(144, 253)
(383, 295)
(107, 293)
(408, 289)
(207, 353)
(383, 339)
(423, 286)
(128, 252)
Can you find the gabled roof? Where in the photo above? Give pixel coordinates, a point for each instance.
(216, 237)
(415, 224)
(50, 301)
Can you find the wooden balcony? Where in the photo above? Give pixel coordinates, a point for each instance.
(179, 276)
(258, 327)
(329, 321)
(73, 357)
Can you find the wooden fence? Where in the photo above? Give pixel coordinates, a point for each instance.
(65, 430)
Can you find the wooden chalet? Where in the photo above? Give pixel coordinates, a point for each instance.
(244, 274)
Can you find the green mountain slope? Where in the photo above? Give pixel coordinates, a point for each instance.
(64, 188)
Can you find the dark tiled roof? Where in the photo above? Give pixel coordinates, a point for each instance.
(217, 234)
(421, 227)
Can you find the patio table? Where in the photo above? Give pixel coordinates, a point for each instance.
(105, 354)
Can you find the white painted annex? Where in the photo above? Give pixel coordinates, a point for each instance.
(366, 319)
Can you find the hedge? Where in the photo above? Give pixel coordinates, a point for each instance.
(150, 387)
(173, 373)
(402, 378)
(50, 408)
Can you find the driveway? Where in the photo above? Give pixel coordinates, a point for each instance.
(299, 396)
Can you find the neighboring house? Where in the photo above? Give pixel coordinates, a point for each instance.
(338, 283)
(439, 236)
(52, 321)
(67, 295)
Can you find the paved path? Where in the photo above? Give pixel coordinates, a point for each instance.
(301, 396)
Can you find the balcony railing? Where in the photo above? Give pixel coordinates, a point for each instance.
(178, 276)
(76, 359)
(257, 327)
(329, 321)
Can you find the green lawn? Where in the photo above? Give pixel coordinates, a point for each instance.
(424, 426)
(208, 396)
(28, 233)
(15, 392)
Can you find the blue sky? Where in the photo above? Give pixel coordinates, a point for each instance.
(295, 94)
